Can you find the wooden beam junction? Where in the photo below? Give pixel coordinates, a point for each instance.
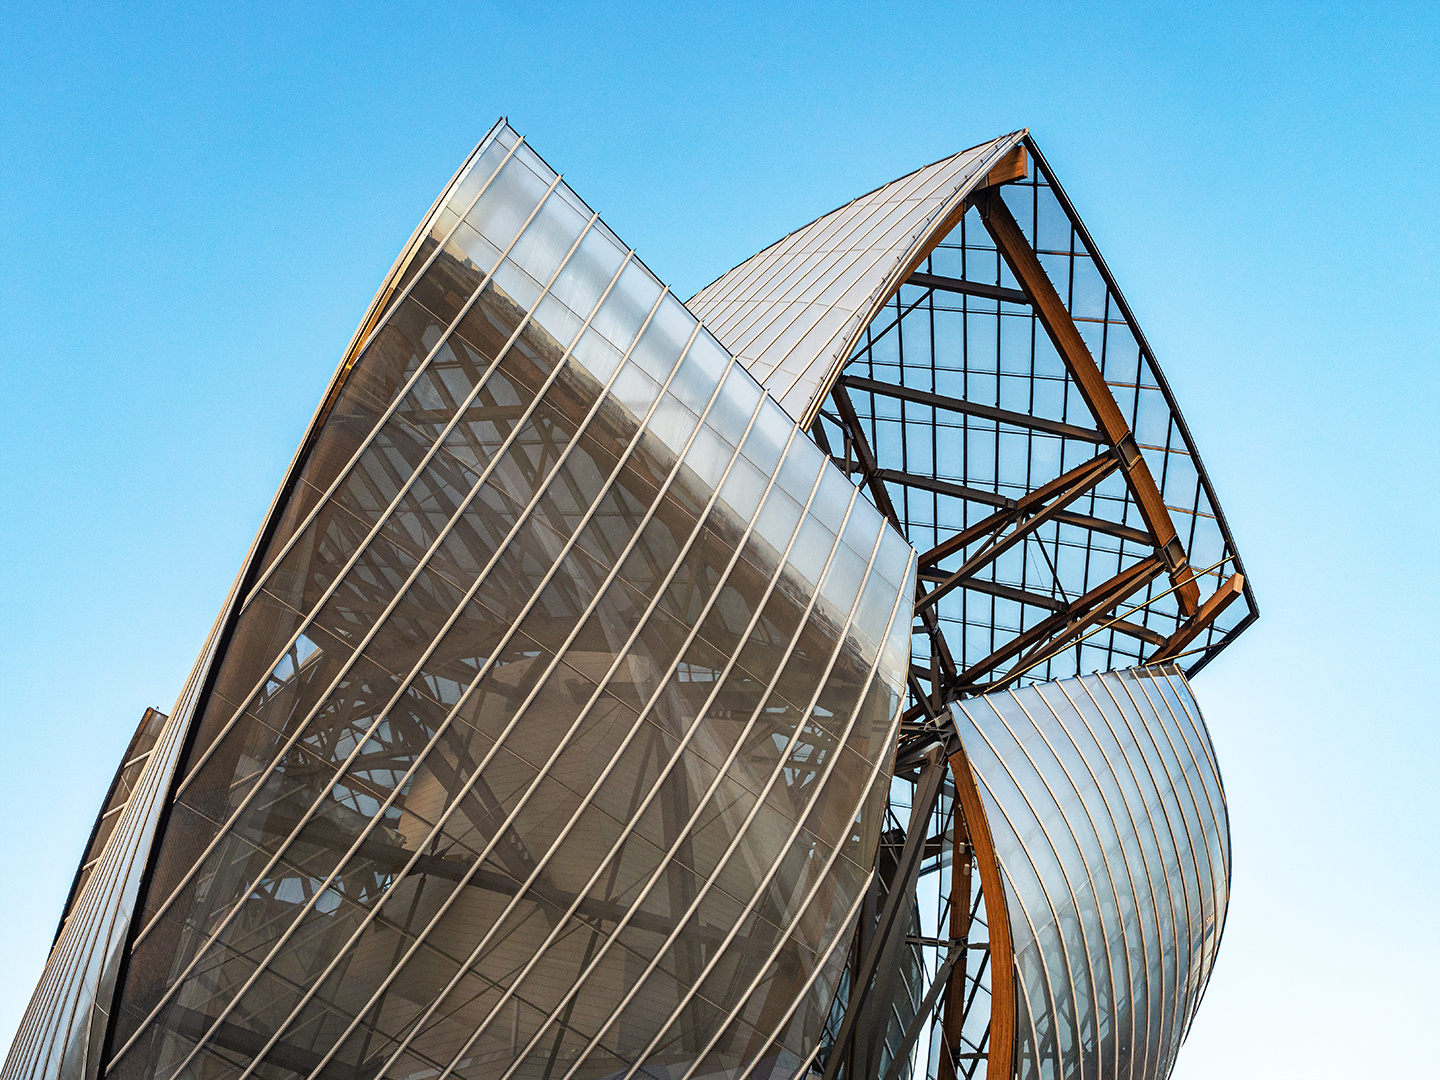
(1052, 313)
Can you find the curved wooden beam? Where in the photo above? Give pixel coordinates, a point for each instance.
(1000, 1064)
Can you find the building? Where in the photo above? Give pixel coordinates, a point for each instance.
(789, 681)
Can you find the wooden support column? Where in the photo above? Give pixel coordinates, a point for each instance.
(1024, 264)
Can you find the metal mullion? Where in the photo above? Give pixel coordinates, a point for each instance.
(936, 175)
(70, 966)
(968, 180)
(394, 602)
(429, 652)
(420, 369)
(405, 488)
(75, 961)
(839, 230)
(823, 265)
(851, 916)
(901, 311)
(685, 830)
(1154, 1026)
(1124, 858)
(616, 663)
(1196, 726)
(1175, 847)
(932, 177)
(820, 879)
(1184, 1003)
(436, 211)
(1090, 872)
(1140, 910)
(1011, 968)
(89, 912)
(1055, 908)
(850, 257)
(1217, 907)
(399, 595)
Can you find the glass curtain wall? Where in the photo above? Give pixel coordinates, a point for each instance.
(1109, 822)
(549, 738)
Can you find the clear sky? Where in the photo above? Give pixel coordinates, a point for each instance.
(196, 207)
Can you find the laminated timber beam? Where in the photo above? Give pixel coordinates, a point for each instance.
(1231, 589)
(970, 811)
(1059, 629)
(1040, 506)
(990, 498)
(1053, 315)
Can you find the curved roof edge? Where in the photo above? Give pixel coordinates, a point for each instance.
(793, 312)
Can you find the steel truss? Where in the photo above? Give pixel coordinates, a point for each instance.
(1087, 559)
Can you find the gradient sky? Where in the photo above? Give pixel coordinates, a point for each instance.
(195, 209)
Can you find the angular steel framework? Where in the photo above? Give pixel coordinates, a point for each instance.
(623, 687)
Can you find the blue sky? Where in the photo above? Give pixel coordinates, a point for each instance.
(195, 208)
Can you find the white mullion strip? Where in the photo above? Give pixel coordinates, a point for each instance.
(822, 878)
(1210, 776)
(1080, 850)
(1196, 948)
(301, 730)
(1045, 889)
(380, 622)
(513, 722)
(621, 654)
(829, 232)
(878, 224)
(1110, 870)
(1141, 921)
(760, 801)
(73, 936)
(1155, 992)
(851, 917)
(415, 377)
(1046, 987)
(878, 298)
(403, 491)
(1171, 1042)
(440, 538)
(719, 682)
(783, 290)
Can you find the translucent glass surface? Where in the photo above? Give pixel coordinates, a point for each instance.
(1109, 823)
(791, 312)
(548, 732)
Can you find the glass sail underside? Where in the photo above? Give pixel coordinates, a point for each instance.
(548, 736)
(569, 719)
(1104, 800)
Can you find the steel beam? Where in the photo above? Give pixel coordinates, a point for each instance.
(890, 931)
(971, 408)
(967, 288)
(1064, 625)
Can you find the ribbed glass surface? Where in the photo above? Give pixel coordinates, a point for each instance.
(550, 736)
(1105, 805)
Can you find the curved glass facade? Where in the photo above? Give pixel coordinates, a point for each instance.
(577, 714)
(1104, 801)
